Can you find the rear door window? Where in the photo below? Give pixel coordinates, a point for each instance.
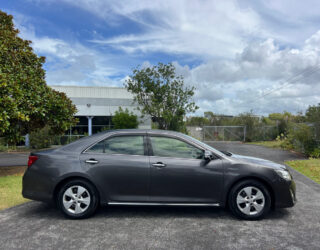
(127, 145)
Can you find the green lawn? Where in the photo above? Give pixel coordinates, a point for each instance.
(10, 191)
(310, 168)
(269, 144)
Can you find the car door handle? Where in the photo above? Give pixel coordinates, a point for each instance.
(159, 165)
(92, 161)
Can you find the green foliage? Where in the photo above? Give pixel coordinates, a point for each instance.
(198, 121)
(123, 119)
(313, 113)
(154, 125)
(250, 121)
(268, 144)
(10, 191)
(26, 102)
(301, 137)
(162, 95)
(315, 153)
(310, 168)
(3, 148)
(282, 121)
(218, 120)
(40, 138)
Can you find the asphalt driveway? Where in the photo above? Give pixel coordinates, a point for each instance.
(38, 226)
(13, 159)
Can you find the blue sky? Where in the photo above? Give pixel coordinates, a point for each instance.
(238, 54)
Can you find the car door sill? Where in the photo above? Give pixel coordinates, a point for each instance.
(163, 204)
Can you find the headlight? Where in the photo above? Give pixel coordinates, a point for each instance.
(284, 174)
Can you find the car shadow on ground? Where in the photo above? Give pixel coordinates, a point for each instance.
(42, 210)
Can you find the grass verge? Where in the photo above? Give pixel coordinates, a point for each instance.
(10, 190)
(10, 149)
(309, 168)
(269, 144)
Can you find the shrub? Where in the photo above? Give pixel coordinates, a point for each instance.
(301, 137)
(41, 138)
(3, 148)
(315, 153)
(123, 119)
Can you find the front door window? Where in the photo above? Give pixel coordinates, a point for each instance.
(171, 147)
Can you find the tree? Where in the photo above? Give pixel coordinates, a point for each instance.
(249, 120)
(26, 102)
(162, 95)
(197, 121)
(282, 121)
(313, 113)
(123, 119)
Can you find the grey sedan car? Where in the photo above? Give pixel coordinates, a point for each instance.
(154, 167)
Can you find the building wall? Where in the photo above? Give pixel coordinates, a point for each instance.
(102, 101)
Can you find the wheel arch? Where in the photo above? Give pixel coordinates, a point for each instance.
(65, 180)
(245, 178)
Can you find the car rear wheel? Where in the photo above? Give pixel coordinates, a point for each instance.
(250, 200)
(78, 199)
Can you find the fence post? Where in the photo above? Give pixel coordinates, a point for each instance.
(244, 133)
(203, 133)
(223, 133)
(69, 134)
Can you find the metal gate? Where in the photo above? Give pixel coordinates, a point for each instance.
(223, 133)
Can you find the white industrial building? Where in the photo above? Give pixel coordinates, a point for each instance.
(97, 105)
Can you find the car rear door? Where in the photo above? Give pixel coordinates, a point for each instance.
(180, 174)
(120, 166)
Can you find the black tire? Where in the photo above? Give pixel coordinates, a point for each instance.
(248, 209)
(89, 208)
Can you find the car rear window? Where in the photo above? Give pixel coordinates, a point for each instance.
(128, 145)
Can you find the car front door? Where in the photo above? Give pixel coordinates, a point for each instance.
(180, 174)
(120, 166)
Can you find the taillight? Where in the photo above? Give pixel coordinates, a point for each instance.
(32, 159)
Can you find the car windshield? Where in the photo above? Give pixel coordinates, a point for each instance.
(218, 152)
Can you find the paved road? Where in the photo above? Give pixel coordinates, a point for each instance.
(37, 226)
(13, 159)
(276, 155)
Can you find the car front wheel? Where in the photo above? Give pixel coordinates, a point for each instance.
(77, 199)
(250, 200)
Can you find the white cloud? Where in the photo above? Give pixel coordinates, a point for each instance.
(262, 77)
(70, 63)
(201, 28)
(246, 50)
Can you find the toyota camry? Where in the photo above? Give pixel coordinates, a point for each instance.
(154, 167)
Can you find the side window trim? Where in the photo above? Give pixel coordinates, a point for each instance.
(145, 143)
(150, 149)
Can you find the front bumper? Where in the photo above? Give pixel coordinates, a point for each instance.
(285, 194)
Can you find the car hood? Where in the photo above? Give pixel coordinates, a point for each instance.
(258, 161)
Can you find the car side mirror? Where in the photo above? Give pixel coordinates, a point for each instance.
(208, 155)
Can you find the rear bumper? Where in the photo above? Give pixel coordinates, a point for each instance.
(37, 187)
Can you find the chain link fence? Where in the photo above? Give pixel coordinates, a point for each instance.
(262, 133)
(234, 133)
(223, 133)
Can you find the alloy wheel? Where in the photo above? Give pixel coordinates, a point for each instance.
(250, 200)
(76, 199)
